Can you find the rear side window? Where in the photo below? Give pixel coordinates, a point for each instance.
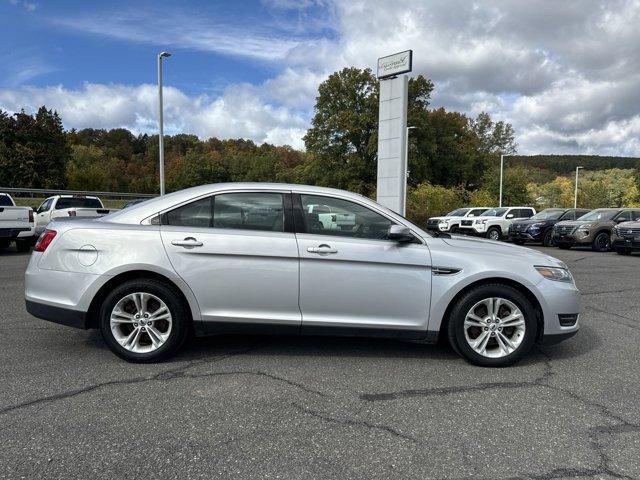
(569, 215)
(194, 214)
(77, 202)
(526, 213)
(238, 211)
(5, 201)
(636, 215)
(249, 211)
(476, 212)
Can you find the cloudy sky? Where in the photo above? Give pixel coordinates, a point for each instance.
(565, 73)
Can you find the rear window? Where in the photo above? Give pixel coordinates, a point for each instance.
(78, 202)
(5, 201)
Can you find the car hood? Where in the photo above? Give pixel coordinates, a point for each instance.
(491, 247)
(577, 223)
(633, 224)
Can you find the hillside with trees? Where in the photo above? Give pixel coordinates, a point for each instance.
(453, 159)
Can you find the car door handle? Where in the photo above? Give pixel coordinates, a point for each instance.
(188, 242)
(322, 249)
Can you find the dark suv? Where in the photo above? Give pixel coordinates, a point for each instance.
(539, 228)
(594, 228)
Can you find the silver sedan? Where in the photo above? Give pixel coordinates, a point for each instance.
(259, 257)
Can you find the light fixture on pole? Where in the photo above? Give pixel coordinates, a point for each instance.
(161, 55)
(575, 197)
(405, 169)
(501, 177)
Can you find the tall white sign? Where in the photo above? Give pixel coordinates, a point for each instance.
(392, 124)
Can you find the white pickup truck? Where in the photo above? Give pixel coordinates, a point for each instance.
(451, 221)
(68, 206)
(16, 224)
(494, 223)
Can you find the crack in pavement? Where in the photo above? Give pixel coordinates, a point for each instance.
(634, 326)
(165, 375)
(620, 290)
(349, 422)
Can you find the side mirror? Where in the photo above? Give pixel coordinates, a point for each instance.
(510, 215)
(400, 234)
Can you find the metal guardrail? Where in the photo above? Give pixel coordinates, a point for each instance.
(48, 192)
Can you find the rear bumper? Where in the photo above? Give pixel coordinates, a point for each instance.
(16, 233)
(63, 316)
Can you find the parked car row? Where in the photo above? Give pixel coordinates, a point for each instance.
(602, 229)
(22, 225)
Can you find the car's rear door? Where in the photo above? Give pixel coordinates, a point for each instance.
(234, 252)
(354, 276)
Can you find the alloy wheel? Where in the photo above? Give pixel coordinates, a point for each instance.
(494, 327)
(141, 322)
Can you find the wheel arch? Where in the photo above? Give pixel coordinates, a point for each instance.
(493, 281)
(94, 308)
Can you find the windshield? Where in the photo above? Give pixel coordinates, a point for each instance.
(78, 202)
(460, 212)
(5, 201)
(599, 215)
(548, 214)
(494, 212)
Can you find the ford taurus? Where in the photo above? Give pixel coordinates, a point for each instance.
(252, 257)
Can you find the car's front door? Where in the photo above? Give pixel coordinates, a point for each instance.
(351, 275)
(43, 215)
(234, 252)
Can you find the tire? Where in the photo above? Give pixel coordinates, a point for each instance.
(547, 240)
(454, 229)
(602, 242)
(23, 246)
(564, 247)
(623, 251)
(494, 233)
(4, 244)
(172, 331)
(522, 337)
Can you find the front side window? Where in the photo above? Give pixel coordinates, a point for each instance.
(346, 219)
(45, 205)
(194, 214)
(636, 215)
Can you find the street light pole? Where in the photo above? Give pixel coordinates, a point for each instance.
(405, 168)
(575, 198)
(501, 176)
(161, 55)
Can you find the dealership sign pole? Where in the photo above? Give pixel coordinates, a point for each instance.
(161, 55)
(392, 129)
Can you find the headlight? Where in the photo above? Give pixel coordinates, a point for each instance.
(616, 231)
(585, 226)
(537, 225)
(557, 274)
(481, 221)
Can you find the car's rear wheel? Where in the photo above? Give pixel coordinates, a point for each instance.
(144, 321)
(547, 240)
(494, 233)
(492, 326)
(602, 242)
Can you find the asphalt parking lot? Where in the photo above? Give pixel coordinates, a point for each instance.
(289, 408)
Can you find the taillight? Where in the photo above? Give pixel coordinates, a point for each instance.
(30, 216)
(44, 240)
(72, 213)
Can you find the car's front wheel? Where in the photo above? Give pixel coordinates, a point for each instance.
(602, 242)
(547, 240)
(492, 325)
(144, 321)
(494, 233)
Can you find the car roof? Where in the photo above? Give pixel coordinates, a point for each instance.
(137, 213)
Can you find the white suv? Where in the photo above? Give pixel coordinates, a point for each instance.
(494, 223)
(451, 221)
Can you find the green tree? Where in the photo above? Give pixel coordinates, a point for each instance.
(515, 185)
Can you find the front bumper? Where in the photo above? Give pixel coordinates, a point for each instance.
(625, 243)
(63, 316)
(558, 299)
(526, 235)
(574, 238)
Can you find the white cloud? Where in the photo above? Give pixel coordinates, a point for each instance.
(564, 73)
(239, 113)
